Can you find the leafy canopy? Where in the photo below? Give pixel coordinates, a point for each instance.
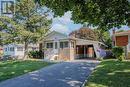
(27, 25)
(104, 14)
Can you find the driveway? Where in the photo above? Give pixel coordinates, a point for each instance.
(66, 74)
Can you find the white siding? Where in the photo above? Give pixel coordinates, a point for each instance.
(8, 52)
(51, 53)
(19, 53)
(16, 53)
(56, 36)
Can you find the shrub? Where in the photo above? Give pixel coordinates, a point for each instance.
(100, 58)
(121, 58)
(118, 53)
(34, 54)
(109, 55)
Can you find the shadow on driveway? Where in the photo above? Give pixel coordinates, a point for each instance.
(66, 74)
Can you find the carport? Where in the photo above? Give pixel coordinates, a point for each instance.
(86, 49)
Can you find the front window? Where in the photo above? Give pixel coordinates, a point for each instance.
(11, 48)
(49, 45)
(64, 44)
(6, 7)
(34, 48)
(6, 49)
(19, 48)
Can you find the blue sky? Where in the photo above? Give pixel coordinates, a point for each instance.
(64, 24)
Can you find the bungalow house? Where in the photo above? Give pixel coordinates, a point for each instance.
(122, 39)
(17, 50)
(58, 46)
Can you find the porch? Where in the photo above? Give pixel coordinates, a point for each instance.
(85, 52)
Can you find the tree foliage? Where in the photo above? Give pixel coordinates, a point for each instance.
(93, 34)
(27, 25)
(105, 37)
(104, 14)
(85, 33)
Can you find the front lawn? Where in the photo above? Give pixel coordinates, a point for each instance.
(10, 69)
(110, 73)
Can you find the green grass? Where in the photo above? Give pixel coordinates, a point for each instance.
(10, 69)
(110, 73)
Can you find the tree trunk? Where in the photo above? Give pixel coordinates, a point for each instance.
(41, 50)
(26, 50)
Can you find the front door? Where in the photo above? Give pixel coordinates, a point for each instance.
(90, 52)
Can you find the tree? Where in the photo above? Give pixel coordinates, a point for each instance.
(29, 25)
(120, 31)
(104, 14)
(105, 37)
(85, 33)
(93, 34)
(7, 31)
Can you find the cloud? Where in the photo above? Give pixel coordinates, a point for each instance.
(65, 19)
(60, 28)
(64, 24)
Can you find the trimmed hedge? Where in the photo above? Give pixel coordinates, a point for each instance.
(118, 53)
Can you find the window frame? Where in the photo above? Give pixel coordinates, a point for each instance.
(64, 44)
(5, 49)
(11, 49)
(49, 45)
(19, 49)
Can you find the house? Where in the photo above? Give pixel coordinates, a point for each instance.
(58, 46)
(17, 50)
(4, 7)
(122, 39)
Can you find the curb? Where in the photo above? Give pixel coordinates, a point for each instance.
(83, 85)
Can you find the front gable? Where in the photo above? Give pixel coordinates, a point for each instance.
(55, 36)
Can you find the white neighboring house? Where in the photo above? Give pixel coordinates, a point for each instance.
(60, 47)
(17, 50)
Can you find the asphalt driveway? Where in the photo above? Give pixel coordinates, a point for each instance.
(66, 74)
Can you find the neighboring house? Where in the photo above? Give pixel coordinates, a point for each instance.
(5, 7)
(58, 46)
(17, 50)
(122, 39)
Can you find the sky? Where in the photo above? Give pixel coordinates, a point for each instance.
(64, 24)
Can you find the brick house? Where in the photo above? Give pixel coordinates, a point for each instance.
(122, 39)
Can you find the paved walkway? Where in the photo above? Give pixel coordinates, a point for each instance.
(67, 74)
